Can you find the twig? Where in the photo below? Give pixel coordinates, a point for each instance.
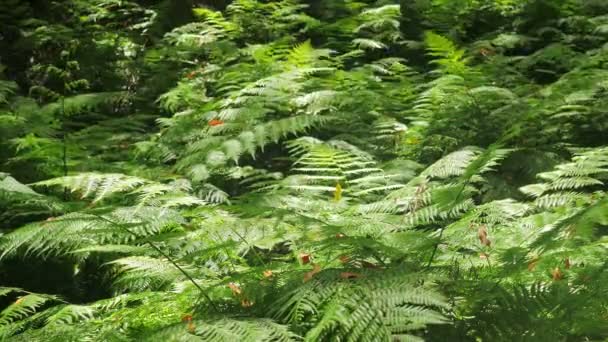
(160, 251)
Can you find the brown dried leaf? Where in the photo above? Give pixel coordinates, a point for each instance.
(308, 275)
(305, 258)
(236, 289)
(482, 234)
(350, 275)
(557, 274)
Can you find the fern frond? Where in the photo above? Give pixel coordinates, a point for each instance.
(451, 59)
(370, 44)
(23, 307)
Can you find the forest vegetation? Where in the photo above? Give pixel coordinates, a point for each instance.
(303, 170)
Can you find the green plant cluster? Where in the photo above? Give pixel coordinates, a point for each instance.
(291, 170)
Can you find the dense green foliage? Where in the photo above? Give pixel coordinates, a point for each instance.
(291, 170)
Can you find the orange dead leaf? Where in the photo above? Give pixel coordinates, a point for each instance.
(305, 258)
(187, 318)
(484, 256)
(557, 274)
(191, 327)
(344, 259)
(267, 274)
(236, 289)
(349, 275)
(215, 122)
(19, 300)
(308, 275)
(246, 303)
(482, 234)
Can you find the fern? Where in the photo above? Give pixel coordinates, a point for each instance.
(303, 171)
(449, 58)
(359, 308)
(101, 186)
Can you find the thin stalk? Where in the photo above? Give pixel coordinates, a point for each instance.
(464, 185)
(160, 251)
(64, 156)
(249, 245)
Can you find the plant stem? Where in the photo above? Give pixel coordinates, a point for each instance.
(64, 156)
(464, 185)
(160, 251)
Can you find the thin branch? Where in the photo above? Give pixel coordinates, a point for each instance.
(464, 185)
(160, 251)
(249, 245)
